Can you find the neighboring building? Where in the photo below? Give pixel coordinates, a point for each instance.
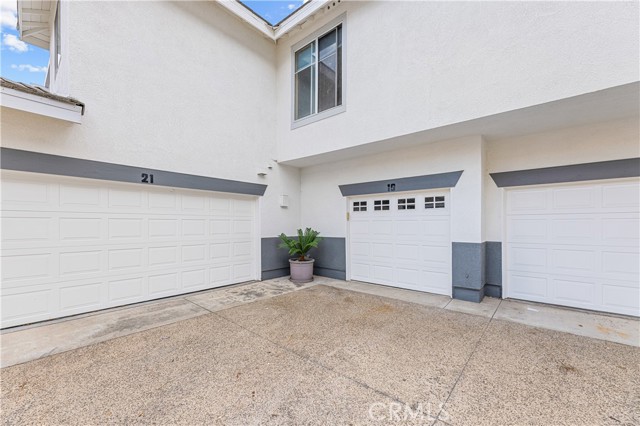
(459, 148)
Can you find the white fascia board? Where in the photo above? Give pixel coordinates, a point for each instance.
(274, 33)
(299, 18)
(15, 99)
(249, 17)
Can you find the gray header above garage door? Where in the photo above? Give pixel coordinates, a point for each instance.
(36, 162)
(615, 169)
(415, 183)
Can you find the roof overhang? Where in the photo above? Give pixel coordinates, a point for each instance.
(274, 32)
(38, 100)
(614, 103)
(35, 19)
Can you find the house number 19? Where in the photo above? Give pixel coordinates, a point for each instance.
(147, 178)
(391, 187)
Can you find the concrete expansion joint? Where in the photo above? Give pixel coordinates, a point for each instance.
(313, 361)
(471, 354)
(198, 305)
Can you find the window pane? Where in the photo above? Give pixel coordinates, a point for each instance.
(304, 56)
(327, 83)
(304, 92)
(327, 44)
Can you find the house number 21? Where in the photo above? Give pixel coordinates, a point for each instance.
(146, 178)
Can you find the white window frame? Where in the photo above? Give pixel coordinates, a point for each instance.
(317, 116)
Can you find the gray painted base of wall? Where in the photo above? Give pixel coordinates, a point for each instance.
(330, 258)
(476, 270)
(493, 291)
(477, 267)
(330, 273)
(469, 295)
(274, 273)
(468, 265)
(493, 263)
(275, 261)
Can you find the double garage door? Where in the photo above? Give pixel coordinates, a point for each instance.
(402, 240)
(77, 245)
(575, 245)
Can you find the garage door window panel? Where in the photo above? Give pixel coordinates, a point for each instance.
(359, 206)
(380, 205)
(406, 204)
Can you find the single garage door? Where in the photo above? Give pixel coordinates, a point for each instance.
(402, 240)
(78, 245)
(575, 245)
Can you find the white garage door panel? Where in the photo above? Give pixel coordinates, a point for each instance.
(407, 248)
(77, 245)
(576, 245)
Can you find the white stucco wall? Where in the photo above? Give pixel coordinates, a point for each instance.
(178, 86)
(412, 66)
(324, 208)
(476, 200)
(612, 140)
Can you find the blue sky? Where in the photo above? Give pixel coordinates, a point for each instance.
(19, 61)
(273, 11)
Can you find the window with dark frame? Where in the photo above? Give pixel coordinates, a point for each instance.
(359, 206)
(380, 205)
(436, 202)
(406, 204)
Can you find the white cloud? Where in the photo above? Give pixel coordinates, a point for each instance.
(10, 5)
(14, 43)
(291, 6)
(28, 67)
(8, 14)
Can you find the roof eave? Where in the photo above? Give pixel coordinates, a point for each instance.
(28, 30)
(291, 22)
(248, 16)
(298, 18)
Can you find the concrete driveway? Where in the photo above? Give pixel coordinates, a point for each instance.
(325, 355)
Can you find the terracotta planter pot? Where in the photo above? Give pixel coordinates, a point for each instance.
(301, 270)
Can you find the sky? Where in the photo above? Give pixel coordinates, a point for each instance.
(273, 11)
(19, 61)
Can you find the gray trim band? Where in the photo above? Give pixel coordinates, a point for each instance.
(614, 169)
(415, 183)
(36, 162)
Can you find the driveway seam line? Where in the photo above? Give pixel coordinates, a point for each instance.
(473, 352)
(199, 306)
(313, 361)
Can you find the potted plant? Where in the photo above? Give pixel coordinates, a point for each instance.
(302, 266)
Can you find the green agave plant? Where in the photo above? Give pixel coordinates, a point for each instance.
(300, 247)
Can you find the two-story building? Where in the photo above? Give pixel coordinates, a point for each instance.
(468, 149)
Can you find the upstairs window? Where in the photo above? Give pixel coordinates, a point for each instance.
(318, 71)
